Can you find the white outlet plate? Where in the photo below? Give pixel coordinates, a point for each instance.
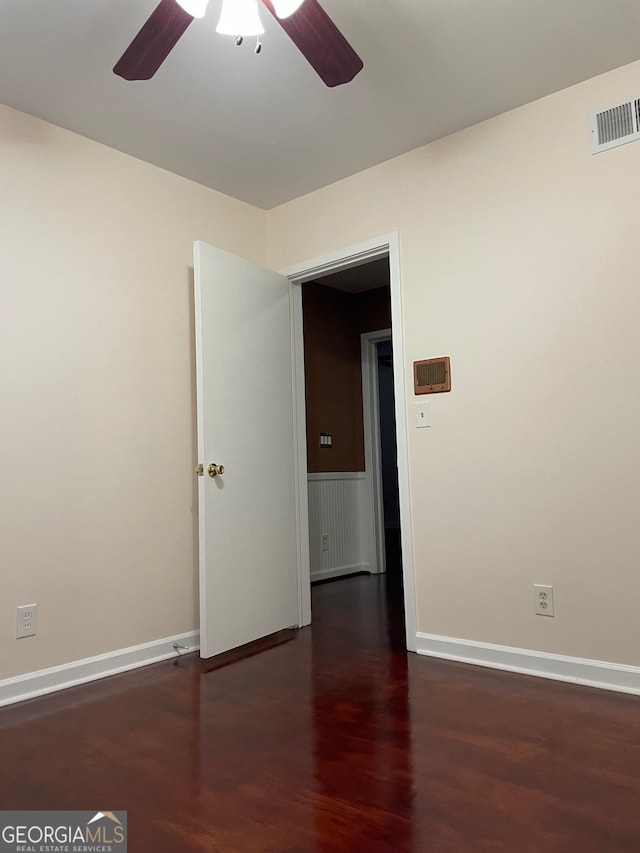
(27, 621)
(543, 599)
(324, 542)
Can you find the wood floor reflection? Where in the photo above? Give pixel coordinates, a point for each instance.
(335, 741)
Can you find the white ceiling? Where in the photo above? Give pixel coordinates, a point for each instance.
(264, 128)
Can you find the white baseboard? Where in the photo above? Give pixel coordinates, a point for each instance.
(338, 572)
(56, 678)
(592, 673)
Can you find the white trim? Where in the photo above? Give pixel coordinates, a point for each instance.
(388, 245)
(325, 574)
(56, 678)
(592, 673)
(402, 441)
(300, 458)
(199, 369)
(372, 448)
(343, 259)
(337, 475)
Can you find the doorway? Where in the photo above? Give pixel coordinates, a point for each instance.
(337, 311)
(354, 514)
(381, 451)
(389, 464)
(355, 256)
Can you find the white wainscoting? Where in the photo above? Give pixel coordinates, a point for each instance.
(340, 505)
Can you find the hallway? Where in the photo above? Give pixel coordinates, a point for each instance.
(336, 740)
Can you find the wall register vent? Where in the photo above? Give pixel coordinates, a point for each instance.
(432, 375)
(615, 126)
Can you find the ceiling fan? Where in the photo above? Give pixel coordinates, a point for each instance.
(304, 21)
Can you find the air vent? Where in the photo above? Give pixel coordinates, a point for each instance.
(432, 375)
(615, 125)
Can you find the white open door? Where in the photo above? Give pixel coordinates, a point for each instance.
(247, 515)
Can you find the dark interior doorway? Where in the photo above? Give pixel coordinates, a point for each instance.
(389, 457)
(337, 310)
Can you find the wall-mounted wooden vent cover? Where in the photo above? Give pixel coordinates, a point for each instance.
(432, 375)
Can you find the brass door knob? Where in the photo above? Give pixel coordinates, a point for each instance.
(214, 470)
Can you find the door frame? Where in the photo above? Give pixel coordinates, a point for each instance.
(387, 245)
(372, 449)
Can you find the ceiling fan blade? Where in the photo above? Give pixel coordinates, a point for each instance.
(154, 42)
(321, 42)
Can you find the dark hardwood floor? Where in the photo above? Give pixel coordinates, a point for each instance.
(335, 741)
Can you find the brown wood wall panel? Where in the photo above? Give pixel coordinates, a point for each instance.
(373, 310)
(333, 323)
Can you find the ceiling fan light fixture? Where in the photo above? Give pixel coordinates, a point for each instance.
(240, 18)
(195, 8)
(284, 8)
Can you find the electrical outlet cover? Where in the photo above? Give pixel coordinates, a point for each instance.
(27, 621)
(543, 599)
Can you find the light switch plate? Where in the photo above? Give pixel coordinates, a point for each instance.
(423, 415)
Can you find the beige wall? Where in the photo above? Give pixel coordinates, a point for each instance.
(97, 444)
(518, 259)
